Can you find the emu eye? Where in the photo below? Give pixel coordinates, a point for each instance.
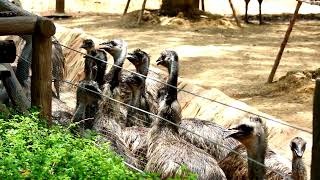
(245, 128)
(293, 146)
(113, 43)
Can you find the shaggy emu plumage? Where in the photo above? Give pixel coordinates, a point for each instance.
(253, 136)
(166, 150)
(298, 146)
(88, 95)
(109, 115)
(212, 132)
(89, 46)
(58, 66)
(141, 98)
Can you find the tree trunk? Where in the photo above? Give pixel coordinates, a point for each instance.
(173, 7)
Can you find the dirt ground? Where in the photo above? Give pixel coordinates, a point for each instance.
(217, 54)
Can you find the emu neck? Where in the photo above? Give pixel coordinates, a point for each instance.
(257, 152)
(298, 169)
(172, 80)
(92, 52)
(115, 71)
(144, 70)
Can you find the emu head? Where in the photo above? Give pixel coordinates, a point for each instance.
(298, 146)
(88, 94)
(166, 58)
(138, 58)
(113, 47)
(251, 134)
(87, 44)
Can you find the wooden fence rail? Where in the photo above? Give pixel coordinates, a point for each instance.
(41, 30)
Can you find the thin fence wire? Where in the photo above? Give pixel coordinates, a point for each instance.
(177, 125)
(194, 94)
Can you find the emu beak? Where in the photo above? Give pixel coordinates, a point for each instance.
(131, 57)
(159, 61)
(233, 133)
(83, 46)
(105, 46)
(298, 152)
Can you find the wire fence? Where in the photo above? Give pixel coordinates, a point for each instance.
(194, 94)
(168, 121)
(179, 126)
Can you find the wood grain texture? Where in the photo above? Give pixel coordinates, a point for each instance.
(17, 25)
(41, 94)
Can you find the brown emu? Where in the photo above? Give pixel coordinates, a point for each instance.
(109, 115)
(144, 99)
(88, 95)
(253, 136)
(166, 150)
(298, 146)
(246, 13)
(58, 66)
(100, 60)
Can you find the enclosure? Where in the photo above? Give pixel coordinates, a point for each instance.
(223, 68)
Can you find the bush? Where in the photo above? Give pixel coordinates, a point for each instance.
(29, 150)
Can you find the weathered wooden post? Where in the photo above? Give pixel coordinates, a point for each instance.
(284, 43)
(126, 8)
(60, 6)
(202, 5)
(142, 10)
(41, 94)
(315, 165)
(234, 13)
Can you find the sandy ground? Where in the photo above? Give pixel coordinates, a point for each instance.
(220, 55)
(216, 7)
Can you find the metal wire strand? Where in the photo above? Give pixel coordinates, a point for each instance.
(194, 94)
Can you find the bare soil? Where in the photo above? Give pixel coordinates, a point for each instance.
(214, 53)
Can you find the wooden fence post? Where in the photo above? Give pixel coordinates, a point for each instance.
(284, 43)
(60, 6)
(202, 5)
(126, 8)
(41, 80)
(234, 14)
(142, 10)
(315, 165)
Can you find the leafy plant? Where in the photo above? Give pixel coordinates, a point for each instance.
(29, 150)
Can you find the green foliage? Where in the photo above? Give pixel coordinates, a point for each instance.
(29, 150)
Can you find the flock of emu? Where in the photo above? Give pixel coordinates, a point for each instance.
(120, 104)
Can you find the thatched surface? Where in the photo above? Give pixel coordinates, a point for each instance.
(312, 2)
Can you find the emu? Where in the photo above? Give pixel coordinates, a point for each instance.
(166, 150)
(246, 20)
(100, 60)
(298, 146)
(253, 136)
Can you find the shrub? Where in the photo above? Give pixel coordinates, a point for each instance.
(29, 150)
